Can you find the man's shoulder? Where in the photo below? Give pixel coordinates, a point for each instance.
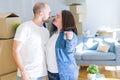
(26, 23)
(24, 26)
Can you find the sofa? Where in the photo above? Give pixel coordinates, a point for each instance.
(87, 51)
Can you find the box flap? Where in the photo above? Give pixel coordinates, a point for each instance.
(5, 15)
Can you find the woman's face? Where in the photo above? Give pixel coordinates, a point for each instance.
(58, 21)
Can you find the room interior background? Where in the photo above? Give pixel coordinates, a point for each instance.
(100, 13)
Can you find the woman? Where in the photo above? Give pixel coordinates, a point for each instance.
(65, 42)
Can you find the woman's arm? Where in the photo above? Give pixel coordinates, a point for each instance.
(71, 41)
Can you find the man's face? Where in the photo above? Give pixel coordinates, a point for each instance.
(47, 13)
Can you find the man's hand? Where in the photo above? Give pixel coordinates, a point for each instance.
(25, 76)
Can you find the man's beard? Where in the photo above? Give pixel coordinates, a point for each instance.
(46, 21)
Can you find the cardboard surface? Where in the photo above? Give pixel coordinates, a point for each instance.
(79, 17)
(79, 28)
(103, 33)
(7, 63)
(7, 20)
(78, 9)
(79, 13)
(10, 76)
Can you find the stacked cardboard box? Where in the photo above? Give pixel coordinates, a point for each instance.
(7, 63)
(79, 13)
(10, 76)
(7, 20)
(7, 31)
(105, 33)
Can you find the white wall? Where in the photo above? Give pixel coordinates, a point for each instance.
(102, 14)
(24, 7)
(56, 5)
(99, 12)
(16, 6)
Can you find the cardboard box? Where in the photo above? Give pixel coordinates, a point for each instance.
(79, 28)
(77, 9)
(79, 17)
(10, 76)
(7, 63)
(104, 33)
(7, 20)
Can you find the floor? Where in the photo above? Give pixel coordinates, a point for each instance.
(108, 71)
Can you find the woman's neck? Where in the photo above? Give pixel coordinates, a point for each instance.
(58, 31)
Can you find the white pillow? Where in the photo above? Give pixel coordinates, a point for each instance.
(103, 48)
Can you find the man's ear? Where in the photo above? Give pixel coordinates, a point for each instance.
(41, 13)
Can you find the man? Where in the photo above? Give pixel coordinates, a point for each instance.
(28, 45)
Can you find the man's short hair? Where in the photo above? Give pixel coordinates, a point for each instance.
(39, 6)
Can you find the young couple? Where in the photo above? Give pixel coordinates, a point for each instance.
(32, 40)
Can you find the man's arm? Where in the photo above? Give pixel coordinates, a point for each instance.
(16, 55)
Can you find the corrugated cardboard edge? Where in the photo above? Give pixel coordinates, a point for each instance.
(10, 76)
(9, 14)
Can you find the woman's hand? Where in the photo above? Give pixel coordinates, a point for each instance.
(69, 35)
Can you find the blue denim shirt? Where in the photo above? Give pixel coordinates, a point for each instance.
(65, 50)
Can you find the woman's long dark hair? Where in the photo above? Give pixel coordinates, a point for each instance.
(68, 21)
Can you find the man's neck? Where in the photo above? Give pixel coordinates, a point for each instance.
(37, 22)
